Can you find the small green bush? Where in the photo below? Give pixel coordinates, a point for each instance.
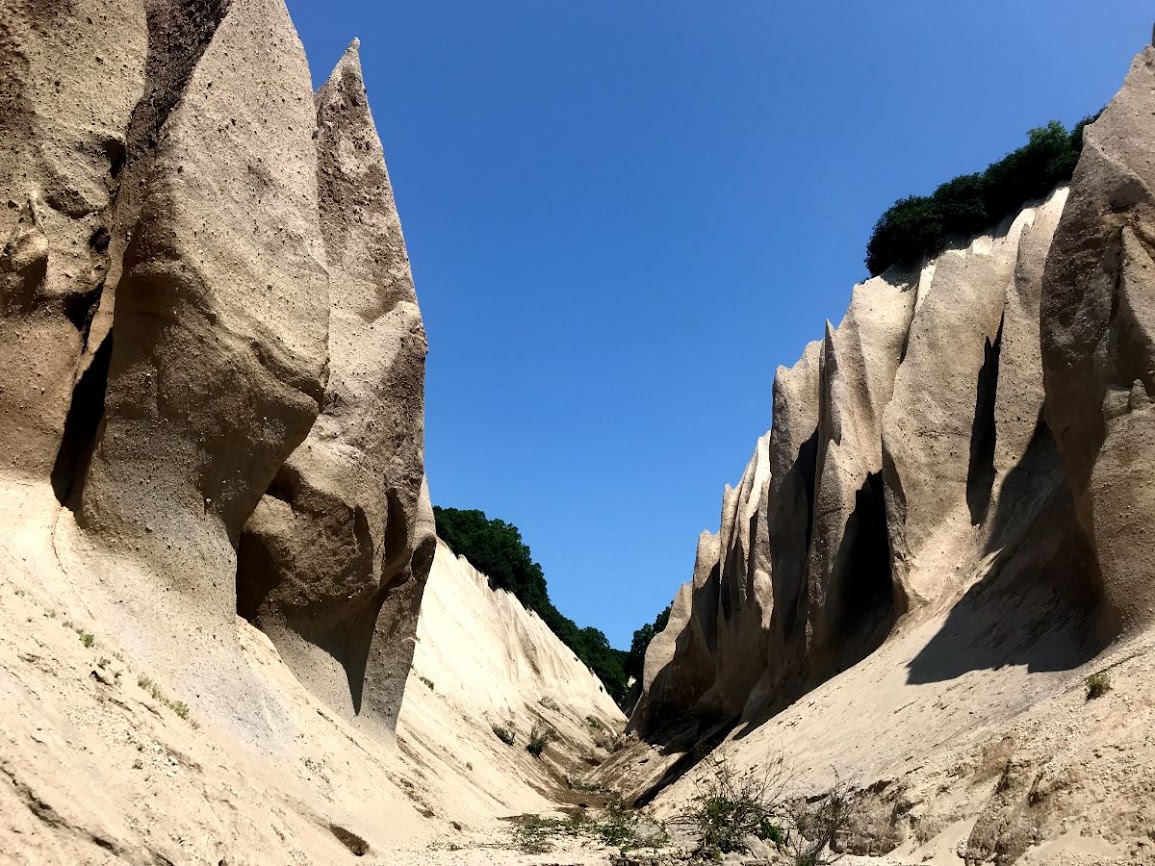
(506, 735)
(729, 806)
(158, 695)
(1098, 684)
(428, 682)
(540, 737)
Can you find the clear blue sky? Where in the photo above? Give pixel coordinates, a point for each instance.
(623, 216)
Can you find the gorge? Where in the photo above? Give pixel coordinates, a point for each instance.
(230, 634)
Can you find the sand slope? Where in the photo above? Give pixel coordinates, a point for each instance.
(95, 768)
(482, 660)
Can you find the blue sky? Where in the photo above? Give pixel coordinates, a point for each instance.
(623, 216)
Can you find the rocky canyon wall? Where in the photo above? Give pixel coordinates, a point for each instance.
(974, 436)
(211, 337)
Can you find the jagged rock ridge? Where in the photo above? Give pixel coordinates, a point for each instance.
(212, 333)
(971, 441)
(908, 446)
(944, 533)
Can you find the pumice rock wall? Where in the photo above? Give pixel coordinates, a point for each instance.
(910, 463)
(1098, 331)
(211, 335)
(972, 438)
(344, 524)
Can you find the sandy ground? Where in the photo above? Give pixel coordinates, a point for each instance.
(965, 757)
(109, 753)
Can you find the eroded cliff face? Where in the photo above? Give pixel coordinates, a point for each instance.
(908, 459)
(332, 561)
(482, 660)
(212, 339)
(1098, 331)
(944, 533)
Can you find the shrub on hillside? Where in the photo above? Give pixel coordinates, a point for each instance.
(1097, 684)
(920, 227)
(540, 737)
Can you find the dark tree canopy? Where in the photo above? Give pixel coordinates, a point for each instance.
(920, 227)
(636, 658)
(495, 548)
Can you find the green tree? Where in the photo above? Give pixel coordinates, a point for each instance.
(919, 227)
(495, 548)
(636, 657)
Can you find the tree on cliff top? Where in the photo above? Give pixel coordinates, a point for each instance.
(920, 227)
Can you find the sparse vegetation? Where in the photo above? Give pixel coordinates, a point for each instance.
(540, 737)
(179, 707)
(729, 807)
(585, 787)
(149, 686)
(428, 682)
(1098, 684)
(505, 734)
(919, 227)
(618, 827)
(86, 637)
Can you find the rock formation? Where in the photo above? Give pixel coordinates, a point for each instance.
(211, 326)
(344, 530)
(73, 74)
(1098, 337)
(908, 461)
(969, 452)
(946, 530)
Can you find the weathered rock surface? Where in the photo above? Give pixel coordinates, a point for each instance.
(219, 328)
(214, 389)
(482, 660)
(209, 323)
(343, 530)
(958, 517)
(906, 449)
(1098, 337)
(72, 74)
